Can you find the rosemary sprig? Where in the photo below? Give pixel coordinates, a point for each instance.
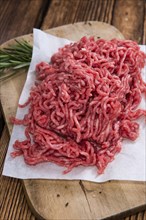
(15, 57)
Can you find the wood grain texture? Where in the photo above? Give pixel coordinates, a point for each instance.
(13, 204)
(96, 201)
(144, 27)
(128, 17)
(77, 10)
(65, 11)
(2, 122)
(16, 17)
(21, 18)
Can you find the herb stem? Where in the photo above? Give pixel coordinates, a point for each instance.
(15, 57)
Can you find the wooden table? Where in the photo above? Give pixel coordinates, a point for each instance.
(18, 18)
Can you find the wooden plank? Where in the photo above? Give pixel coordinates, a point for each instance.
(96, 201)
(66, 12)
(1, 121)
(141, 216)
(144, 27)
(22, 211)
(138, 216)
(12, 199)
(19, 17)
(60, 12)
(93, 12)
(16, 17)
(128, 17)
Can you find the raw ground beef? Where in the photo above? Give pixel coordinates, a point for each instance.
(83, 104)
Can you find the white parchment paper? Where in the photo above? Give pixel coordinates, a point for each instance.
(129, 164)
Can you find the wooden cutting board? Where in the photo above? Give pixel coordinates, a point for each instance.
(68, 200)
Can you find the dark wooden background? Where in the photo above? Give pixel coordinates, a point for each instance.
(18, 17)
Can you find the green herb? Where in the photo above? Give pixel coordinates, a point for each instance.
(15, 57)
